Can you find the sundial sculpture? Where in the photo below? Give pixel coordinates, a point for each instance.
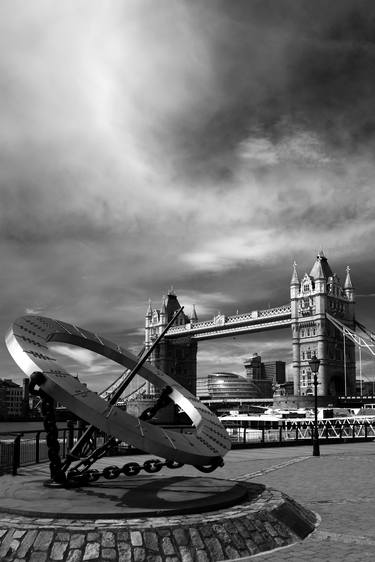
(204, 447)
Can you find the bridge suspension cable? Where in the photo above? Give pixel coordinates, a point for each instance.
(367, 342)
(370, 334)
(372, 338)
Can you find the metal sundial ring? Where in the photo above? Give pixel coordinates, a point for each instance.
(28, 342)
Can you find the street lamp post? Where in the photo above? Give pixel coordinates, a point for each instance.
(314, 366)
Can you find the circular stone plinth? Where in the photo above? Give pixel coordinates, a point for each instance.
(123, 498)
(242, 520)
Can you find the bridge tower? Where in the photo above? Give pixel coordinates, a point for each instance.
(318, 292)
(178, 357)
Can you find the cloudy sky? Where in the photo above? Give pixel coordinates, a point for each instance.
(205, 145)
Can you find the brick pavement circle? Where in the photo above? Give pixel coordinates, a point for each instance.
(269, 521)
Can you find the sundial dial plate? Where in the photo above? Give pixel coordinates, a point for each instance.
(29, 340)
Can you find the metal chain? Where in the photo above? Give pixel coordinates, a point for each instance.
(47, 409)
(49, 421)
(111, 472)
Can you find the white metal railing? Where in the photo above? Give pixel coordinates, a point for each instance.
(236, 318)
(278, 311)
(193, 326)
(233, 330)
(328, 430)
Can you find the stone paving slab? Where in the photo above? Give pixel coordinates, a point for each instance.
(339, 485)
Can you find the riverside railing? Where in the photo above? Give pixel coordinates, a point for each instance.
(30, 446)
(301, 433)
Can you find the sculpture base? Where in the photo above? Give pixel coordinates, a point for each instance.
(123, 498)
(154, 518)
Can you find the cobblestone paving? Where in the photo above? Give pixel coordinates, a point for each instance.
(225, 534)
(321, 547)
(152, 545)
(339, 486)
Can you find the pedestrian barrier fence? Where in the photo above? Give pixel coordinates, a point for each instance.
(301, 431)
(30, 446)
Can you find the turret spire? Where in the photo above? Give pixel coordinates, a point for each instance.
(348, 282)
(294, 280)
(149, 309)
(321, 268)
(348, 286)
(194, 316)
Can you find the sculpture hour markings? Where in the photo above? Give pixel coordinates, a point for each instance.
(205, 445)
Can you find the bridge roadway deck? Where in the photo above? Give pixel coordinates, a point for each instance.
(339, 486)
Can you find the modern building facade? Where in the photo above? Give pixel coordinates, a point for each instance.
(273, 371)
(266, 375)
(315, 294)
(259, 382)
(224, 386)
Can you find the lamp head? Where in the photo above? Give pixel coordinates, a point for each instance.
(314, 363)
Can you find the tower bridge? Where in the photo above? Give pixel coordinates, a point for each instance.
(223, 326)
(322, 321)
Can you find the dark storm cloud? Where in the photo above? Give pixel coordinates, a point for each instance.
(233, 94)
(285, 66)
(205, 145)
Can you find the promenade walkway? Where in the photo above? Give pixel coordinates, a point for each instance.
(339, 486)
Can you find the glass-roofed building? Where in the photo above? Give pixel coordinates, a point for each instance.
(221, 386)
